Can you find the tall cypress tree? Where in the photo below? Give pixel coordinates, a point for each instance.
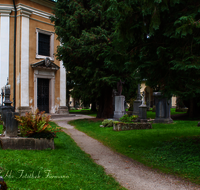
(93, 61)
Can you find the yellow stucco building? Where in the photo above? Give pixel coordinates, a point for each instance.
(40, 80)
(149, 99)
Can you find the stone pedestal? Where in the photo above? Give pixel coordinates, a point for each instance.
(63, 110)
(136, 105)
(11, 124)
(119, 107)
(142, 112)
(163, 105)
(23, 109)
(5, 110)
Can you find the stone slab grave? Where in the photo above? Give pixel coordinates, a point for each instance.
(163, 105)
(131, 126)
(21, 143)
(119, 107)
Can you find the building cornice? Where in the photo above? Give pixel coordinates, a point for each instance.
(4, 10)
(34, 11)
(46, 3)
(24, 12)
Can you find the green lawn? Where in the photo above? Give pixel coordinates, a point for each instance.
(84, 111)
(150, 114)
(66, 167)
(170, 148)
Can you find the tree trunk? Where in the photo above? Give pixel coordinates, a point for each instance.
(68, 103)
(105, 104)
(93, 108)
(193, 107)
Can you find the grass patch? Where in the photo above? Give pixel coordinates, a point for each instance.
(171, 148)
(84, 112)
(66, 167)
(152, 115)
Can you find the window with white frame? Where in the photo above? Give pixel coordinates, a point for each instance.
(44, 44)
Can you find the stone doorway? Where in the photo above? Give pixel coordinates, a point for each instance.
(43, 94)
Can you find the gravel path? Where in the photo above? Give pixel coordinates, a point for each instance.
(129, 173)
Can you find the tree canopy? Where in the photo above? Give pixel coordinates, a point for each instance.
(163, 37)
(91, 51)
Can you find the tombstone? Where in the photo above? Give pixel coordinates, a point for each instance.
(10, 125)
(163, 105)
(137, 102)
(119, 102)
(119, 107)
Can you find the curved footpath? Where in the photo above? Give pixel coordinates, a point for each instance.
(129, 173)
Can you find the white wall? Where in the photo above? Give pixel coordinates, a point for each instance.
(4, 46)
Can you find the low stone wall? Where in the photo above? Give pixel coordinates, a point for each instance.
(21, 143)
(131, 126)
(181, 109)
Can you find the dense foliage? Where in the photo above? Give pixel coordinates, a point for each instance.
(163, 37)
(91, 52)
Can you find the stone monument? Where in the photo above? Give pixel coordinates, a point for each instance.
(137, 102)
(163, 105)
(10, 125)
(143, 109)
(119, 102)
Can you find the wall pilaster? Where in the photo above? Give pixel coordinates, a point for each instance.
(25, 14)
(4, 45)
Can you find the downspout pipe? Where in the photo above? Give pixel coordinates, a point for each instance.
(14, 69)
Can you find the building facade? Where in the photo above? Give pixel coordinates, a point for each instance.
(149, 98)
(40, 80)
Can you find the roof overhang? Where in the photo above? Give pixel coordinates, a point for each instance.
(46, 3)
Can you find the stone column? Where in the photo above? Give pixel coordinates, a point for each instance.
(119, 107)
(4, 45)
(163, 105)
(24, 62)
(63, 109)
(137, 102)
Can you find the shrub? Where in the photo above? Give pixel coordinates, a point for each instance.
(127, 118)
(36, 125)
(107, 123)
